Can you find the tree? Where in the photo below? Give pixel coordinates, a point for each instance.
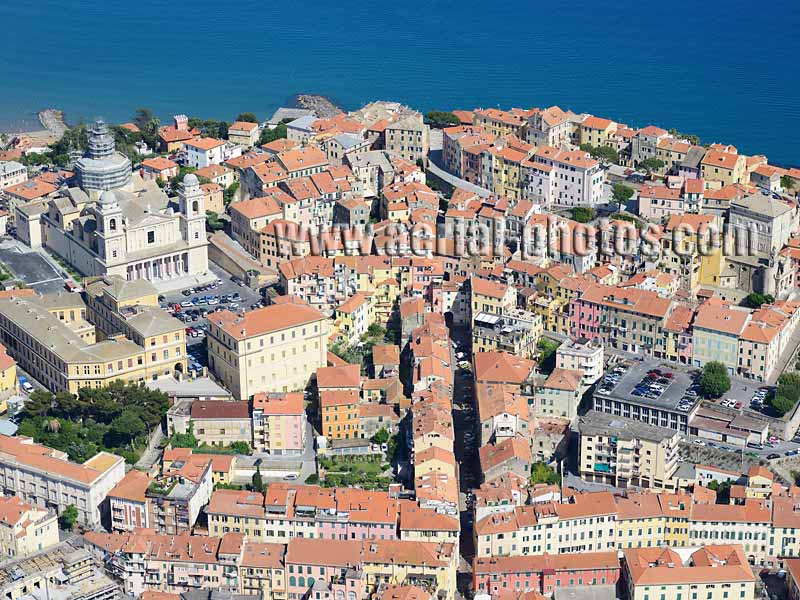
(240, 448)
(212, 221)
(128, 425)
(788, 182)
(247, 117)
(381, 436)
(787, 394)
(755, 300)
(270, 135)
(39, 403)
(605, 154)
(542, 473)
(229, 193)
(440, 119)
(621, 194)
(781, 404)
(312, 479)
(583, 214)
(258, 482)
(68, 517)
(714, 380)
(143, 117)
(547, 354)
(651, 164)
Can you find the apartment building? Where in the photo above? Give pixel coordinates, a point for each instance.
(627, 319)
(559, 395)
(203, 152)
(12, 173)
(623, 452)
(717, 328)
(562, 177)
(543, 573)
(581, 355)
(25, 529)
(491, 297)
(715, 572)
(279, 423)
(45, 478)
(723, 166)
(243, 133)
(583, 523)
(272, 349)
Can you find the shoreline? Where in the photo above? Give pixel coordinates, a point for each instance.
(323, 106)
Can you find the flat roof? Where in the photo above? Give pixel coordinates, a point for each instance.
(636, 371)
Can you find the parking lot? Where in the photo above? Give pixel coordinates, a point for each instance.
(31, 268)
(652, 383)
(195, 304)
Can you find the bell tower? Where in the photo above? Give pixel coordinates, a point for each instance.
(191, 201)
(110, 230)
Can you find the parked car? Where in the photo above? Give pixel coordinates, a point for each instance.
(773, 456)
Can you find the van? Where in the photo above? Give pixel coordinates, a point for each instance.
(755, 446)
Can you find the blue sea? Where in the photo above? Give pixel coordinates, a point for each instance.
(726, 71)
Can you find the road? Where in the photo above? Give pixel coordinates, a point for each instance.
(466, 439)
(435, 166)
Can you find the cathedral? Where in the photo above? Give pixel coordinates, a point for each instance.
(138, 234)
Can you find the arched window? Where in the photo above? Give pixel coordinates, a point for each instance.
(292, 581)
(195, 206)
(112, 224)
(301, 581)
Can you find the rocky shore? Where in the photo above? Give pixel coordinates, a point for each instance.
(52, 120)
(322, 106)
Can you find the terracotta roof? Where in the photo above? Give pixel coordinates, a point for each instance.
(265, 320)
(564, 379)
(502, 367)
(244, 126)
(204, 143)
(159, 163)
(131, 487)
(348, 376)
(279, 403)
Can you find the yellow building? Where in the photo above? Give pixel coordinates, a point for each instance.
(57, 345)
(491, 297)
(8, 378)
(25, 529)
(640, 521)
(272, 349)
(596, 131)
(724, 167)
(353, 317)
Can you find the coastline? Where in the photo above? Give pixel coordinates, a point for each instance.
(323, 106)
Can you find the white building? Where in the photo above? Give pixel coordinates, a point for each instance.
(202, 152)
(136, 235)
(43, 477)
(582, 355)
(12, 173)
(563, 178)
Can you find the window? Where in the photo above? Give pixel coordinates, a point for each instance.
(151, 237)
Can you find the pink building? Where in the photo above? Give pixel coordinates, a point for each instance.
(279, 423)
(543, 573)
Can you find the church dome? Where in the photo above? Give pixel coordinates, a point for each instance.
(191, 180)
(107, 197)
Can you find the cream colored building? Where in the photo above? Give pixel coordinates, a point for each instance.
(45, 478)
(622, 452)
(51, 338)
(138, 234)
(25, 529)
(714, 572)
(272, 349)
(408, 137)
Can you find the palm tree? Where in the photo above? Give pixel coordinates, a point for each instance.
(53, 426)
